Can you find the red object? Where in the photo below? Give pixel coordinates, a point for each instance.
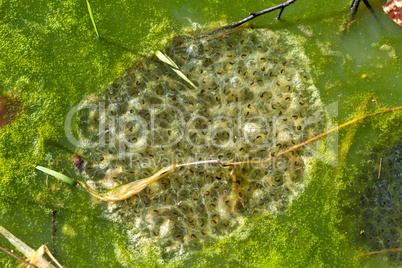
(394, 10)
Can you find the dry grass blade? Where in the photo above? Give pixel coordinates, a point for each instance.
(379, 170)
(182, 75)
(166, 59)
(25, 249)
(125, 191)
(44, 249)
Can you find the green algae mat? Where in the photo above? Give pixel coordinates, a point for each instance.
(68, 97)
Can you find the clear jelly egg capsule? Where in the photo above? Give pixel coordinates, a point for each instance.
(245, 52)
(300, 87)
(193, 50)
(209, 50)
(258, 194)
(251, 63)
(236, 82)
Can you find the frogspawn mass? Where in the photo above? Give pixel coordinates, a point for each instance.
(252, 97)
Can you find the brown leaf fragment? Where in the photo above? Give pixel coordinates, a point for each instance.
(9, 109)
(78, 162)
(394, 10)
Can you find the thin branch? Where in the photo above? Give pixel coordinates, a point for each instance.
(314, 139)
(380, 252)
(370, 8)
(18, 258)
(256, 14)
(379, 170)
(353, 10)
(347, 141)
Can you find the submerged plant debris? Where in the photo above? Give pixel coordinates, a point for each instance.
(255, 98)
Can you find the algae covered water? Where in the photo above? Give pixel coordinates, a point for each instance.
(53, 62)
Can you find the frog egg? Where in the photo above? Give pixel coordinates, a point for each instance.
(214, 220)
(208, 50)
(185, 207)
(193, 51)
(258, 194)
(313, 119)
(209, 82)
(258, 80)
(246, 95)
(283, 135)
(236, 82)
(212, 205)
(245, 52)
(300, 86)
(93, 172)
(254, 132)
(153, 189)
(181, 58)
(298, 124)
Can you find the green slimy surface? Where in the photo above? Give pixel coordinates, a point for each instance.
(50, 60)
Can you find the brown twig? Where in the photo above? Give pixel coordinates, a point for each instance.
(256, 14)
(379, 171)
(380, 252)
(18, 258)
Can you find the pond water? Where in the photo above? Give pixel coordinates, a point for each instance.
(51, 59)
